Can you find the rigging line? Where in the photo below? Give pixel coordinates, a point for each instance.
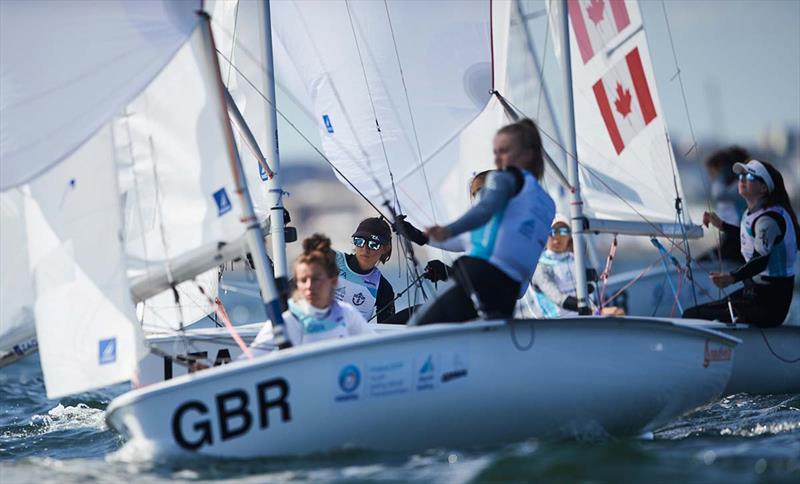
(680, 79)
(233, 41)
(372, 104)
(771, 350)
(679, 217)
(410, 112)
(305, 138)
(544, 59)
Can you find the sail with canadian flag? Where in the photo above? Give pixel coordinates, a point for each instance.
(624, 100)
(627, 167)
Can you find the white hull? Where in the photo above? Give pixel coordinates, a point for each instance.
(761, 368)
(477, 384)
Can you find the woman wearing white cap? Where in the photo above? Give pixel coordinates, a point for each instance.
(553, 287)
(768, 235)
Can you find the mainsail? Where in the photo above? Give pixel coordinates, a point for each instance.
(63, 76)
(392, 85)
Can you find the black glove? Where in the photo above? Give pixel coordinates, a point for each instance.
(570, 303)
(436, 271)
(409, 231)
(591, 274)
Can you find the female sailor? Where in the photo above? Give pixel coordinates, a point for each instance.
(553, 291)
(507, 229)
(360, 281)
(768, 234)
(314, 314)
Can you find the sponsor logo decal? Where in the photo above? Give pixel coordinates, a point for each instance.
(195, 425)
(328, 125)
(358, 299)
(223, 202)
(718, 353)
(26, 347)
(426, 376)
(107, 351)
(349, 378)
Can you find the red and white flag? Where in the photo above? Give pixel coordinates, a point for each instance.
(623, 96)
(596, 23)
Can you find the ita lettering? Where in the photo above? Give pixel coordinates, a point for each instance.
(223, 358)
(193, 422)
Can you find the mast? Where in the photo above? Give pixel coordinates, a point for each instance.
(274, 184)
(255, 238)
(570, 140)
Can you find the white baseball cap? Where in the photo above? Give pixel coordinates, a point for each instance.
(755, 167)
(560, 218)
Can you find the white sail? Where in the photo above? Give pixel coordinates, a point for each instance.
(627, 169)
(178, 190)
(392, 84)
(87, 332)
(240, 40)
(64, 75)
(16, 310)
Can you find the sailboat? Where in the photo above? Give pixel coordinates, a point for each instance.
(627, 190)
(476, 384)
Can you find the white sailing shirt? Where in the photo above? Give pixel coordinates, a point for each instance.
(554, 281)
(782, 254)
(307, 324)
(360, 290)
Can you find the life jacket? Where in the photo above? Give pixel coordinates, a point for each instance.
(360, 290)
(515, 236)
(784, 252)
(561, 265)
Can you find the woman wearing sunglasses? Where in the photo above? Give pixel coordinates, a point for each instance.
(507, 229)
(360, 281)
(768, 234)
(553, 288)
(314, 313)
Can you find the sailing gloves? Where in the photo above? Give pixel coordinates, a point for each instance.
(409, 231)
(436, 271)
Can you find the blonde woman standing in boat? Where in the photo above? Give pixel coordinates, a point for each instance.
(508, 229)
(768, 233)
(314, 314)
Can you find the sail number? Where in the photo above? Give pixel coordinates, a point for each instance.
(234, 417)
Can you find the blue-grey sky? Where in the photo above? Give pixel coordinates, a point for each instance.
(740, 62)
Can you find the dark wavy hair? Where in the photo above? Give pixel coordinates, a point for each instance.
(724, 159)
(317, 250)
(779, 196)
(526, 133)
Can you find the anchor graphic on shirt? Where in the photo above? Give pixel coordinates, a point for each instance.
(359, 299)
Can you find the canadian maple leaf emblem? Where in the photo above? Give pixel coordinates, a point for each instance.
(595, 11)
(623, 101)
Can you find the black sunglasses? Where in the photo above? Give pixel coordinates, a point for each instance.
(372, 244)
(749, 177)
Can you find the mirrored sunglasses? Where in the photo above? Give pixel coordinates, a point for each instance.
(749, 177)
(559, 231)
(372, 244)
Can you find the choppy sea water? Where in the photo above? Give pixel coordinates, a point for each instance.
(741, 438)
